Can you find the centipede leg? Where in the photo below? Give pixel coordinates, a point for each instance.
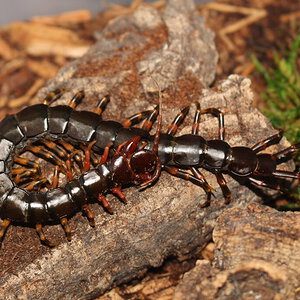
(89, 214)
(55, 148)
(3, 227)
(36, 184)
(76, 99)
(101, 105)
(118, 191)
(39, 230)
(54, 95)
(177, 121)
(286, 174)
(87, 158)
(274, 139)
(24, 161)
(187, 176)
(207, 188)
(272, 186)
(55, 178)
(105, 203)
(147, 125)
(223, 185)
(105, 154)
(136, 118)
(24, 171)
(66, 227)
(30, 170)
(20, 174)
(20, 179)
(72, 151)
(197, 119)
(213, 111)
(286, 153)
(47, 155)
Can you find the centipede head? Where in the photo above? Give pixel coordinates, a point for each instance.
(132, 164)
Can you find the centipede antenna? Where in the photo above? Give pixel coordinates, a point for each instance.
(155, 143)
(159, 124)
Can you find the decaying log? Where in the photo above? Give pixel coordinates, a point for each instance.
(256, 257)
(132, 57)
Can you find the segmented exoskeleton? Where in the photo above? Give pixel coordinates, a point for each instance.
(59, 133)
(31, 204)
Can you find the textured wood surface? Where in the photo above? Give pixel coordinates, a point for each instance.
(175, 50)
(256, 256)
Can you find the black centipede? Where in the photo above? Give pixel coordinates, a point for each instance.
(126, 155)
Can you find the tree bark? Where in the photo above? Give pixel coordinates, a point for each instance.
(135, 57)
(256, 256)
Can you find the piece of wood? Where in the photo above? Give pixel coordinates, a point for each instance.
(256, 255)
(133, 57)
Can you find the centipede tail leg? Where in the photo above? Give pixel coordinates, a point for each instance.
(274, 139)
(269, 185)
(21, 175)
(286, 153)
(177, 121)
(39, 230)
(29, 172)
(223, 185)
(54, 95)
(3, 227)
(66, 227)
(286, 174)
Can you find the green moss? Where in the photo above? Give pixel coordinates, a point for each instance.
(282, 94)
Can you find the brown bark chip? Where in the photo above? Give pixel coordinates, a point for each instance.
(256, 256)
(134, 57)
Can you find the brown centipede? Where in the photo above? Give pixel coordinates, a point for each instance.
(56, 132)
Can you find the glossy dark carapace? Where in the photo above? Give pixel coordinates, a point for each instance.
(98, 156)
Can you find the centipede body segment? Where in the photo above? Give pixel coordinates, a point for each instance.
(98, 156)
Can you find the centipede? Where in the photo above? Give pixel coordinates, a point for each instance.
(99, 156)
